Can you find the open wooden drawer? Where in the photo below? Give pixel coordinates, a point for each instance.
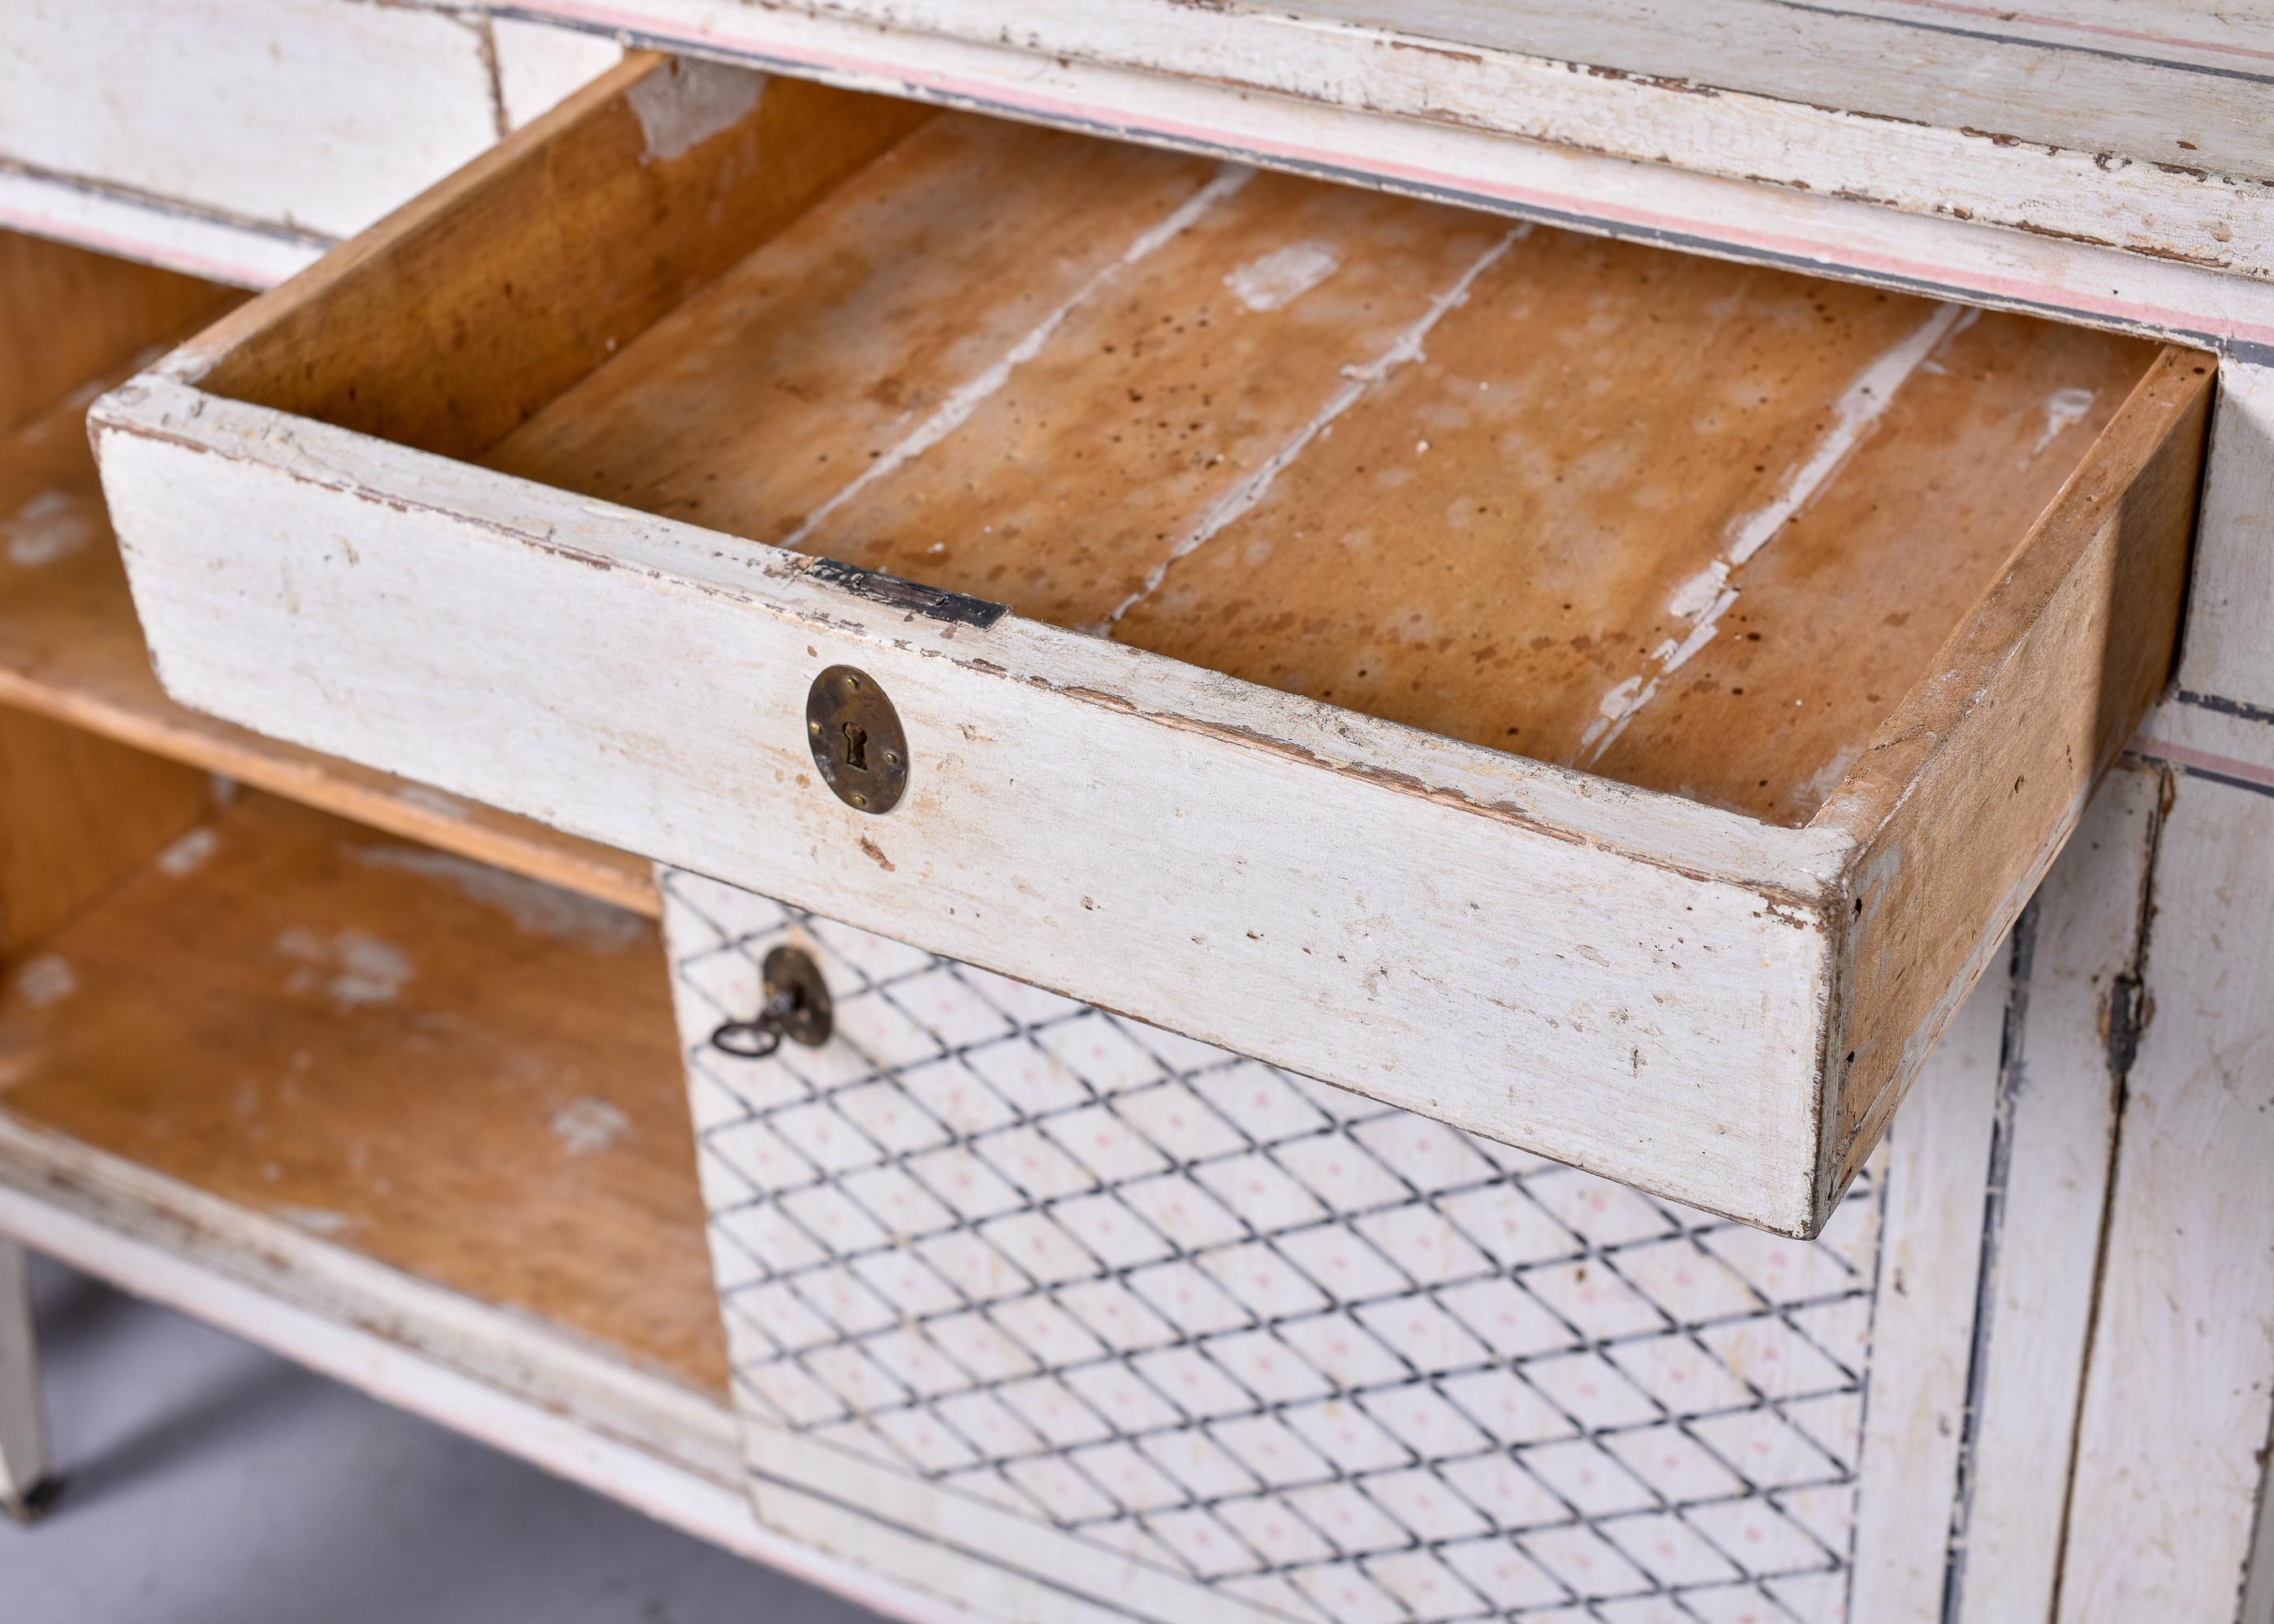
(1609, 701)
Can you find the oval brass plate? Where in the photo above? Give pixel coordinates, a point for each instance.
(856, 739)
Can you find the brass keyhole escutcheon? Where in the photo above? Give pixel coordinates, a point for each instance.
(795, 1003)
(856, 739)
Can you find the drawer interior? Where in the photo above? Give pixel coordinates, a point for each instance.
(1693, 526)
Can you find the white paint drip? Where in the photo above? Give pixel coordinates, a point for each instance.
(532, 906)
(1707, 595)
(687, 103)
(951, 413)
(188, 854)
(2065, 409)
(52, 525)
(1283, 275)
(317, 1219)
(433, 801)
(588, 1125)
(1242, 497)
(46, 980)
(356, 968)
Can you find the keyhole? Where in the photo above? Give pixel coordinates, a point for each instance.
(856, 746)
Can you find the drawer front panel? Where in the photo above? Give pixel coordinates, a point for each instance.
(1078, 1306)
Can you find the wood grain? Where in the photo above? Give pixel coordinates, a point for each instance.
(68, 316)
(306, 119)
(459, 1073)
(1970, 787)
(1438, 477)
(71, 650)
(2170, 1462)
(2228, 653)
(456, 319)
(2099, 141)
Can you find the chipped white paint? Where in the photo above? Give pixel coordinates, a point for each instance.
(1166, 767)
(689, 102)
(2065, 409)
(1406, 347)
(355, 968)
(1706, 598)
(46, 980)
(53, 525)
(2227, 651)
(2033, 1318)
(967, 397)
(531, 905)
(589, 1125)
(1936, 1162)
(1273, 281)
(298, 121)
(2082, 145)
(1071, 788)
(538, 64)
(434, 801)
(318, 1221)
(2178, 1395)
(189, 853)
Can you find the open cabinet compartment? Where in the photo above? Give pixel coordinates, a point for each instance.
(411, 1117)
(1608, 701)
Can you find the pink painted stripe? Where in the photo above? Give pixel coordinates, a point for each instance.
(2070, 24)
(2018, 289)
(2162, 749)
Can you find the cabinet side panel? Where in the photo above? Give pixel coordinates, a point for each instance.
(2170, 1451)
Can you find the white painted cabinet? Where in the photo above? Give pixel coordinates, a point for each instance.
(566, 491)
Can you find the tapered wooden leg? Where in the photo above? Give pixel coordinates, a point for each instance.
(25, 1487)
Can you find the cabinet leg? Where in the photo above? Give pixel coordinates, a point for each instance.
(25, 1487)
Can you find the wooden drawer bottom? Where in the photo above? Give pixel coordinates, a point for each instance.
(1026, 1300)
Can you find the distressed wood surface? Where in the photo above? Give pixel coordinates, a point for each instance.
(24, 1462)
(71, 652)
(601, 217)
(2179, 1389)
(1968, 790)
(2068, 1048)
(393, 1048)
(683, 630)
(2054, 138)
(538, 66)
(995, 855)
(1997, 1175)
(68, 316)
(1337, 440)
(307, 118)
(2228, 654)
(1937, 1161)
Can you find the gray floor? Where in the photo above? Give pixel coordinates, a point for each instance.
(210, 1483)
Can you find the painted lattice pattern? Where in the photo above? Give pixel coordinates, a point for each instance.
(1331, 1359)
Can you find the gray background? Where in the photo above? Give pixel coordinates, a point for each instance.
(211, 1483)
